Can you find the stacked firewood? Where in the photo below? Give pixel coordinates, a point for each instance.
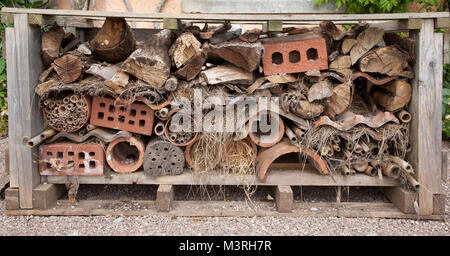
(343, 97)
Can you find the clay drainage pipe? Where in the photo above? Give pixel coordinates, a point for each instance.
(125, 155)
(266, 136)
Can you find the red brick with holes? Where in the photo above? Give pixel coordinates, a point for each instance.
(293, 57)
(136, 117)
(71, 159)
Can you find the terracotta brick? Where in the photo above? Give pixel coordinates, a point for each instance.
(84, 159)
(135, 117)
(293, 57)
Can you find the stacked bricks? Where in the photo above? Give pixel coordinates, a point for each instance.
(135, 117)
(71, 159)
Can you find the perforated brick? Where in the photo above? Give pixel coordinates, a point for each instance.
(71, 159)
(135, 117)
(293, 57)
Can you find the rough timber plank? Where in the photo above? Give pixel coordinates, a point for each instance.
(426, 109)
(45, 195)
(24, 115)
(12, 199)
(11, 72)
(222, 209)
(444, 165)
(164, 198)
(284, 198)
(235, 17)
(401, 198)
(273, 178)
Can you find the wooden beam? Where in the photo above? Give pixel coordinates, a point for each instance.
(25, 117)
(173, 24)
(273, 26)
(45, 195)
(231, 17)
(401, 198)
(12, 199)
(426, 130)
(164, 198)
(442, 23)
(284, 198)
(439, 203)
(413, 23)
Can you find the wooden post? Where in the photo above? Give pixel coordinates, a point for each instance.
(171, 24)
(12, 199)
(273, 26)
(284, 198)
(400, 197)
(338, 194)
(426, 109)
(25, 117)
(164, 198)
(444, 166)
(45, 195)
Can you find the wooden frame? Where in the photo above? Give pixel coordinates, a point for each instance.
(23, 49)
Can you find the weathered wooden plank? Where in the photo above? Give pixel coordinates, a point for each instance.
(171, 24)
(401, 198)
(12, 82)
(444, 168)
(25, 119)
(273, 26)
(236, 17)
(223, 208)
(284, 198)
(413, 23)
(164, 198)
(45, 195)
(426, 109)
(306, 177)
(442, 23)
(12, 199)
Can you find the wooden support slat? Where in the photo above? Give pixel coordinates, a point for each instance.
(273, 26)
(439, 203)
(25, 118)
(45, 195)
(444, 166)
(442, 23)
(12, 199)
(415, 24)
(284, 198)
(402, 198)
(426, 109)
(338, 194)
(164, 198)
(171, 24)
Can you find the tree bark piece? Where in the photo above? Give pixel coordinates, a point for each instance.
(332, 31)
(341, 62)
(320, 90)
(185, 47)
(118, 81)
(366, 41)
(251, 36)
(347, 45)
(339, 101)
(387, 60)
(242, 54)
(50, 45)
(115, 40)
(193, 67)
(393, 95)
(152, 62)
(306, 109)
(104, 72)
(68, 67)
(406, 44)
(227, 74)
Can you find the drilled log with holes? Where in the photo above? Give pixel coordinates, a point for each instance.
(233, 100)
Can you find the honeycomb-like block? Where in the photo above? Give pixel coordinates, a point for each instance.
(71, 159)
(135, 117)
(296, 56)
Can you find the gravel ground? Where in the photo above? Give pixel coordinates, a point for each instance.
(161, 225)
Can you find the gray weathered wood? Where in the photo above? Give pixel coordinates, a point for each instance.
(12, 199)
(284, 198)
(45, 195)
(25, 118)
(426, 109)
(444, 165)
(402, 198)
(164, 198)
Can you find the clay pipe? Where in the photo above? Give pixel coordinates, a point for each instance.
(404, 116)
(41, 137)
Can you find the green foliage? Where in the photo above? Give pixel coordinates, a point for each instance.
(383, 6)
(446, 101)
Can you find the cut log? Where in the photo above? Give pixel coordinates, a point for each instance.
(393, 95)
(320, 90)
(251, 36)
(193, 67)
(347, 45)
(306, 109)
(405, 43)
(151, 63)
(241, 54)
(341, 62)
(171, 84)
(51, 44)
(68, 67)
(332, 31)
(104, 72)
(115, 40)
(227, 74)
(281, 78)
(388, 60)
(185, 47)
(118, 81)
(207, 32)
(366, 41)
(339, 101)
(42, 88)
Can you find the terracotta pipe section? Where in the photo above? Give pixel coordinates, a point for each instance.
(266, 157)
(183, 138)
(404, 116)
(125, 155)
(41, 137)
(271, 138)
